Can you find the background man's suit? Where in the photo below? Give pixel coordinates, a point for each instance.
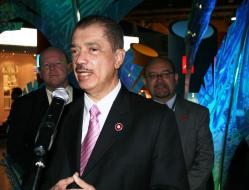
(25, 118)
(145, 154)
(193, 124)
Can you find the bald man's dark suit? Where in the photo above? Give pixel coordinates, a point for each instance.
(24, 120)
(145, 154)
(193, 123)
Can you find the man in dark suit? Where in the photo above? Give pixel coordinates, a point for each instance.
(135, 145)
(192, 119)
(28, 111)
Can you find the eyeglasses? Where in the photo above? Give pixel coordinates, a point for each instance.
(47, 66)
(163, 75)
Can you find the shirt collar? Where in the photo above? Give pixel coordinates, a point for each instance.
(106, 102)
(171, 103)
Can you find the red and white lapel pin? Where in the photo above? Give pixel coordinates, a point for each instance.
(118, 127)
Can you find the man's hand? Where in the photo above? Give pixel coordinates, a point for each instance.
(82, 183)
(62, 184)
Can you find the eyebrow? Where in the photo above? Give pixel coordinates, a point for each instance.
(87, 44)
(72, 45)
(165, 70)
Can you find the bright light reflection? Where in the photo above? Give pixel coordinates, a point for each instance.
(23, 37)
(128, 40)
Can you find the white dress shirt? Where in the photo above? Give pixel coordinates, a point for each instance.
(171, 103)
(104, 106)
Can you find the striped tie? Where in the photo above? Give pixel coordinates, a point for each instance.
(91, 137)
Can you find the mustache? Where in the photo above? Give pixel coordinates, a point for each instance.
(82, 68)
(160, 85)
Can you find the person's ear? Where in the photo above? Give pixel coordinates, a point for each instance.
(145, 83)
(40, 73)
(176, 78)
(119, 58)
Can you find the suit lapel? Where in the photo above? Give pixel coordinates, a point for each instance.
(40, 106)
(179, 111)
(114, 128)
(182, 115)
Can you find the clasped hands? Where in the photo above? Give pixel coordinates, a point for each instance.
(62, 184)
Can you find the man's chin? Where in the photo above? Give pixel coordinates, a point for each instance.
(86, 86)
(161, 94)
(53, 85)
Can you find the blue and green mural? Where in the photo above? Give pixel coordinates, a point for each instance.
(226, 94)
(55, 18)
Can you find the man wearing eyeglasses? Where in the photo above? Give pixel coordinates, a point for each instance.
(161, 80)
(29, 110)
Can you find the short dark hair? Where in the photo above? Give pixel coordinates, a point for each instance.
(160, 59)
(113, 31)
(15, 93)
